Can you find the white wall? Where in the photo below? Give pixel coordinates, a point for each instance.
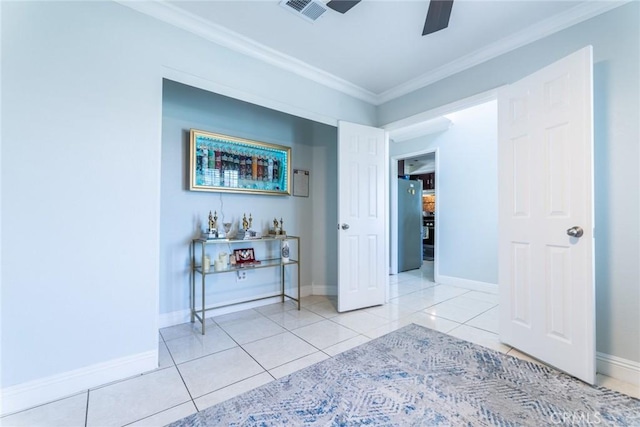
(81, 173)
(184, 213)
(615, 37)
(467, 194)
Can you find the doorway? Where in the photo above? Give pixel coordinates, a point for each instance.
(416, 239)
(465, 191)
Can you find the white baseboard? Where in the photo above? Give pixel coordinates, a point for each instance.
(26, 395)
(473, 285)
(618, 368)
(324, 290)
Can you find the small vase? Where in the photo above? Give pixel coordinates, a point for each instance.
(285, 251)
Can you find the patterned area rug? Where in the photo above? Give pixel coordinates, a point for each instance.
(419, 377)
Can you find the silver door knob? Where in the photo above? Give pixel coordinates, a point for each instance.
(575, 231)
(345, 226)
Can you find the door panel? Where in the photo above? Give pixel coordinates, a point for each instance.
(546, 187)
(362, 188)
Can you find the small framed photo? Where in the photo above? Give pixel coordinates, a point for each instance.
(222, 163)
(300, 183)
(243, 256)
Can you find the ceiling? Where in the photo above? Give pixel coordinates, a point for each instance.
(422, 164)
(375, 51)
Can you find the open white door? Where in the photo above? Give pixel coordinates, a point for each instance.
(362, 192)
(545, 166)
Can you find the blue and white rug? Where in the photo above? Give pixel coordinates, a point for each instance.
(419, 377)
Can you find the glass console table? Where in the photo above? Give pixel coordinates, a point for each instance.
(197, 269)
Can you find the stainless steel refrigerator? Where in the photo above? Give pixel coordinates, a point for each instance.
(409, 224)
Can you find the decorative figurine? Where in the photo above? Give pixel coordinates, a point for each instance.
(275, 225)
(245, 223)
(213, 221)
(250, 220)
(282, 227)
(212, 232)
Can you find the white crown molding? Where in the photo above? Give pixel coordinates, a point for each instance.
(530, 34)
(224, 37)
(427, 127)
(220, 35)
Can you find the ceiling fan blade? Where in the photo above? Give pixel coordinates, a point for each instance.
(342, 6)
(437, 16)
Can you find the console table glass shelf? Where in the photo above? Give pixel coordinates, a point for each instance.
(199, 313)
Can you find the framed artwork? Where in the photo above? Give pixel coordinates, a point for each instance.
(222, 163)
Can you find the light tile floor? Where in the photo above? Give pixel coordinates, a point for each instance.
(247, 349)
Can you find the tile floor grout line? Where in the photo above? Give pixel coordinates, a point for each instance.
(168, 351)
(175, 365)
(489, 309)
(296, 359)
(229, 385)
(10, 414)
(156, 413)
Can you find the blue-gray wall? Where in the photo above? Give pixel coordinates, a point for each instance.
(615, 37)
(467, 198)
(183, 213)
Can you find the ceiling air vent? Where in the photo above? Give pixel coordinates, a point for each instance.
(307, 9)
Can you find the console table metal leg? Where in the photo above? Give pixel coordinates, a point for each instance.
(298, 268)
(192, 295)
(203, 282)
(282, 282)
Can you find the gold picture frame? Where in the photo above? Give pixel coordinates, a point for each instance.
(222, 163)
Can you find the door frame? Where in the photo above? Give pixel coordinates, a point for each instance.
(411, 125)
(393, 210)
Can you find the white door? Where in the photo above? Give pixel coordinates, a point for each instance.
(545, 156)
(362, 194)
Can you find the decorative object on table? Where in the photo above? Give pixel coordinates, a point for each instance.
(219, 265)
(213, 221)
(246, 232)
(277, 230)
(206, 264)
(245, 222)
(243, 256)
(284, 250)
(282, 231)
(212, 231)
(418, 376)
(224, 258)
(227, 229)
(224, 163)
